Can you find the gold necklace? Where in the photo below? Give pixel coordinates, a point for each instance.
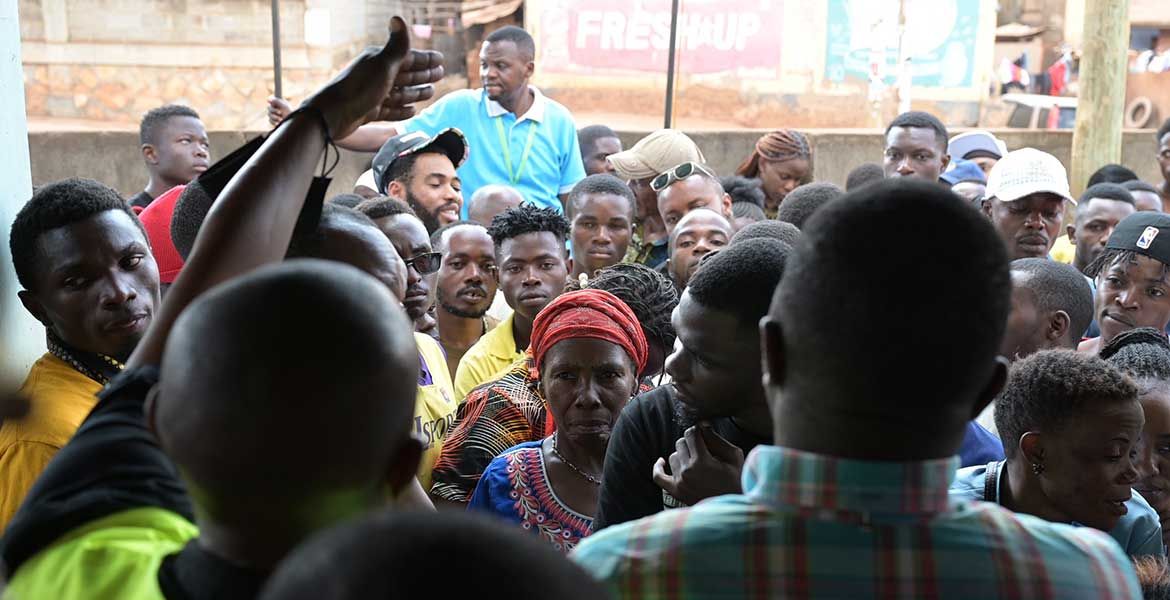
(575, 468)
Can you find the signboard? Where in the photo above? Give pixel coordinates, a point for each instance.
(601, 36)
(862, 41)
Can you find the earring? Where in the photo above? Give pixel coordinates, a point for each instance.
(1037, 468)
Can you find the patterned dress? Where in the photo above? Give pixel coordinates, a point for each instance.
(515, 487)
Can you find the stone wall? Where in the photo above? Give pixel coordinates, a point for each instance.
(114, 158)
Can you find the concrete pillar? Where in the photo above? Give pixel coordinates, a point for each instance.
(22, 339)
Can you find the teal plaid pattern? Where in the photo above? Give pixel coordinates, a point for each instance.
(813, 526)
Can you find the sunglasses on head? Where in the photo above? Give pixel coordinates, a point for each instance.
(679, 173)
(426, 263)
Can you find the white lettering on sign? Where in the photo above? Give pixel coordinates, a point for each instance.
(614, 30)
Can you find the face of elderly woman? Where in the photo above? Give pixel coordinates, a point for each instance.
(587, 382)
(1090, 464)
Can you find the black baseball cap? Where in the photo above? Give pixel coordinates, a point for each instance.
(1145, 233)
(449, 141)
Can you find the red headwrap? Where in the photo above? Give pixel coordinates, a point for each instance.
(588, 313)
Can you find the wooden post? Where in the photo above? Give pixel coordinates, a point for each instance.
(1101, 100)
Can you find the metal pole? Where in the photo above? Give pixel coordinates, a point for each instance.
(278, 91)
(669, 117)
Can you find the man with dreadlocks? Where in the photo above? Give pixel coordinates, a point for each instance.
(781, 160)
(511, 409)
(1133, 278)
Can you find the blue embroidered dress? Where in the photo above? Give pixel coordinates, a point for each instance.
(515, 487)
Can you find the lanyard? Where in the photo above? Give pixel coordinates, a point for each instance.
(515, 177)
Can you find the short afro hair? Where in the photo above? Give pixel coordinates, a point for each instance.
(1162, 131)
(527, 218)
(57, 205)
(650, 294)
(838, 282)
(741, 278)
(1143, 353)
(1050, 388)
(190, 211)
(1137, 185)
(863, 174)
(1058, 286)
(437, 243)
(776, 230)
(384, 206)
(1112, 173)
(1107, 191)
(743, 189)
(400, 555)
(601, 183)
(803, 201)
(516, 35)
(402, 169)
(347, 200)
(333, 218)
(155, 119)
(748, 210)
(588, 136)
(922, 120)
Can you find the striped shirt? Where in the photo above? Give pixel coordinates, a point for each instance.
(813, 526)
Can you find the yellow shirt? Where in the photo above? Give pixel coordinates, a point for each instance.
(487, 359)
(434, 406)
(1063, 250)
(59, 398)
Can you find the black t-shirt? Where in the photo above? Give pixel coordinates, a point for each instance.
(645, 431)
(112, 464)
(141, 199)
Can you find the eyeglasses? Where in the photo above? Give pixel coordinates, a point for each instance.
(426, 263)
(663, 180)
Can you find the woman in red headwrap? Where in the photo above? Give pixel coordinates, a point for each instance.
(588, 348)
(782, 160)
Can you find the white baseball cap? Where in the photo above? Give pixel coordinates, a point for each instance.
(1027, 171)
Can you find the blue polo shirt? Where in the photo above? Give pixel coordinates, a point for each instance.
(550, 167)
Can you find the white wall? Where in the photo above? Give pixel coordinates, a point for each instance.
(22, 339)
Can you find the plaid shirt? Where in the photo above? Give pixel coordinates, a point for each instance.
(812, 526)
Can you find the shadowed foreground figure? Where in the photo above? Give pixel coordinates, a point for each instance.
(852, 500)
(404, 556)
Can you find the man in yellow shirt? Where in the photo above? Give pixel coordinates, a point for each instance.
(88, 275)
(533, 269)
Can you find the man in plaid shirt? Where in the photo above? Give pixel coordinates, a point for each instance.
(881, 345)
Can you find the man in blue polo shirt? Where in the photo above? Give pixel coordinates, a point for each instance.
(517, 136)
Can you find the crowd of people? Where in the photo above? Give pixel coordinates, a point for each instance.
(634, 377)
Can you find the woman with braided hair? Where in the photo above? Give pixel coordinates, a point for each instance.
(782, 160)
(1144, 354)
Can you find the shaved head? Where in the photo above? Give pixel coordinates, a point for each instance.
(491, 200)
(292, 388)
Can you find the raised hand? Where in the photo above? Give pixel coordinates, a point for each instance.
(703, 465)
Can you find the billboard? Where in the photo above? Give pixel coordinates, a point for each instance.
(601, 36)
(862, 40)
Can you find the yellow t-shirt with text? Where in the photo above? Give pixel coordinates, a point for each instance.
(434, 406)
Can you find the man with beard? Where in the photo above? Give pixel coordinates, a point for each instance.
(698, 234)
(406, 232)
(1026, 192)
(89, 277)
(679, 444)
(533, 269)
(420, 170)
(465, 286)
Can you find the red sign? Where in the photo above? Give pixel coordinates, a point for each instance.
(591, 36)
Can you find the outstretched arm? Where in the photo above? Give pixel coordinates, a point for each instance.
(251, 222)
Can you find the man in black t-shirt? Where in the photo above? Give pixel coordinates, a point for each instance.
(686, 441)
(175, 149)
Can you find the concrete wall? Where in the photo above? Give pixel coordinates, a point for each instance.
(113, 157)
